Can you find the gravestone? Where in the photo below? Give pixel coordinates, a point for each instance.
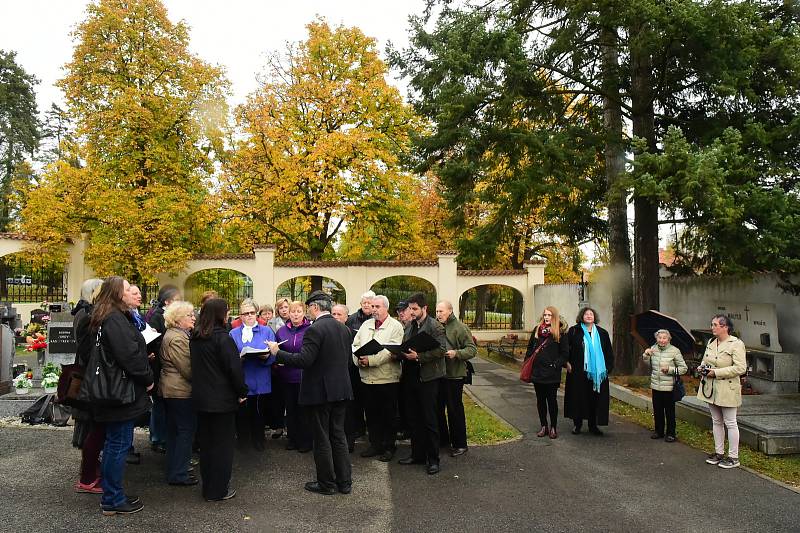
(755, 323)
(6, 358)
(61, 345)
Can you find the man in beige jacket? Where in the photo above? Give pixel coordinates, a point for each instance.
(380, 375)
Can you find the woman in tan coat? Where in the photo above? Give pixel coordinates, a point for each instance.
(666, 362)
(176, 389)
(723, 363)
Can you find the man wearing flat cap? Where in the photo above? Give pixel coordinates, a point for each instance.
(324, 390)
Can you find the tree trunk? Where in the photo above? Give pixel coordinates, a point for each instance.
(481, 295)
(516, 311)
(618, 241)
(316, 283)
(645, 226)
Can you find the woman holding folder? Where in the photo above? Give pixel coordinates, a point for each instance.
(252, 337)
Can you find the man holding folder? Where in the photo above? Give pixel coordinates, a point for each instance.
(380, 374)
(422, 373)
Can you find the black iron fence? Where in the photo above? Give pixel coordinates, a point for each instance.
(28, 281)
(300, 287)
(491, 307)
(230, 285)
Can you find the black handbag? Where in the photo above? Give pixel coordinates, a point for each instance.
(678, 389)
(104, 381)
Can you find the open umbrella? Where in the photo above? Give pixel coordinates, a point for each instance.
(644, 326)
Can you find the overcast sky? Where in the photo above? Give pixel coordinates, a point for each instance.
(236, 34)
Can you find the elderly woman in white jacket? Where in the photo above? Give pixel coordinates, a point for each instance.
(666, 362)
(380, 375)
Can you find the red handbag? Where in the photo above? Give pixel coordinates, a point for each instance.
(527, 367)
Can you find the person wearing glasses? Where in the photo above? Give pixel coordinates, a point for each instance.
(250, 422)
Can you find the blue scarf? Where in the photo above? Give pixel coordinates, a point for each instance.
(594, 362)
(137, 320)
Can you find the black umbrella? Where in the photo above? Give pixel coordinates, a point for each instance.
(644, 326)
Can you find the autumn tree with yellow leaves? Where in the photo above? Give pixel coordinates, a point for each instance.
(320, 151)
(148, 118)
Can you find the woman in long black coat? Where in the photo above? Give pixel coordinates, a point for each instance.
(218, 388)
(586, 395)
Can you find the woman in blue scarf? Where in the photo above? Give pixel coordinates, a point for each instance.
(591, 360)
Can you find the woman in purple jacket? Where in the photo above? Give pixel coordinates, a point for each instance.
(292, 333)
(250, 420)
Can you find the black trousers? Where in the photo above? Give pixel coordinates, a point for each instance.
(664, 406)
(296, 424)
(251, 419)
(380, 402)
(216, 431)
(355, 425)
(331, 457)
(421, 404)
(546, 402)
(275, 412)
(453, 427)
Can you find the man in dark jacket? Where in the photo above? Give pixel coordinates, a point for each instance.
(420, 382)
(325, 390)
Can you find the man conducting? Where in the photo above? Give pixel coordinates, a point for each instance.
(325, 390)
(460, 348)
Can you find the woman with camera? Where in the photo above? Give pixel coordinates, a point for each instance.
(720, 387)
(666, 362)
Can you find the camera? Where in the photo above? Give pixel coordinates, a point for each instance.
(704, 369)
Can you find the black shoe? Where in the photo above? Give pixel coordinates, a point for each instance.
(133, 458)
(410, 460)
(291, 446)
(188, 482)
(386, 456)
(433, 468)
(370, 452)
(596, 431)
(231, 493)
(576, 430)
(670, 438)
(655, 436)
(314, 486)
(458, 451)
(158, 448)
(133, 500)
(345, 488)
(277, 434)
(303, 450)
(125, 508)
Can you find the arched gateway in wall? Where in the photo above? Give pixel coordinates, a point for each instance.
(356, 277)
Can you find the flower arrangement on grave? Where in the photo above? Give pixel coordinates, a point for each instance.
(36, 342)
(32, 329)
(23, 381)
(51, 368)
(49, 382)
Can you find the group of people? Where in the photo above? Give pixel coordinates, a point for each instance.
(585, 351)
(207, 383)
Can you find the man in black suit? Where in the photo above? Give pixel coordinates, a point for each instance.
(324, 390)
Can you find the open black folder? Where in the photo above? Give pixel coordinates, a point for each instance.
(421, 342)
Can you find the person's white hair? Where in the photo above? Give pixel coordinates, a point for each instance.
(175, 311)
(383, 299)
(88, 287)
(367, 295)
(665, 332)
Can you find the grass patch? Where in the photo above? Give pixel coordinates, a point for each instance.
(784, 468)
(483, 427)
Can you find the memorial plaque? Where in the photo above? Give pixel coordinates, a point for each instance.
(61, 345)
(755, 323)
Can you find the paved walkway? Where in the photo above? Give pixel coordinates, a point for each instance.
(620, 482)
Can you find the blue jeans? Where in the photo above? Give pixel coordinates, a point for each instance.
(181, 423)
(158, 422)
(119, 438)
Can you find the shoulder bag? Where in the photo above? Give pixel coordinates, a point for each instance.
(105, 382)
(678, 389)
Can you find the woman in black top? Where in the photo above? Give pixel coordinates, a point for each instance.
(548, 344)
(124, 345)
(218, 388)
